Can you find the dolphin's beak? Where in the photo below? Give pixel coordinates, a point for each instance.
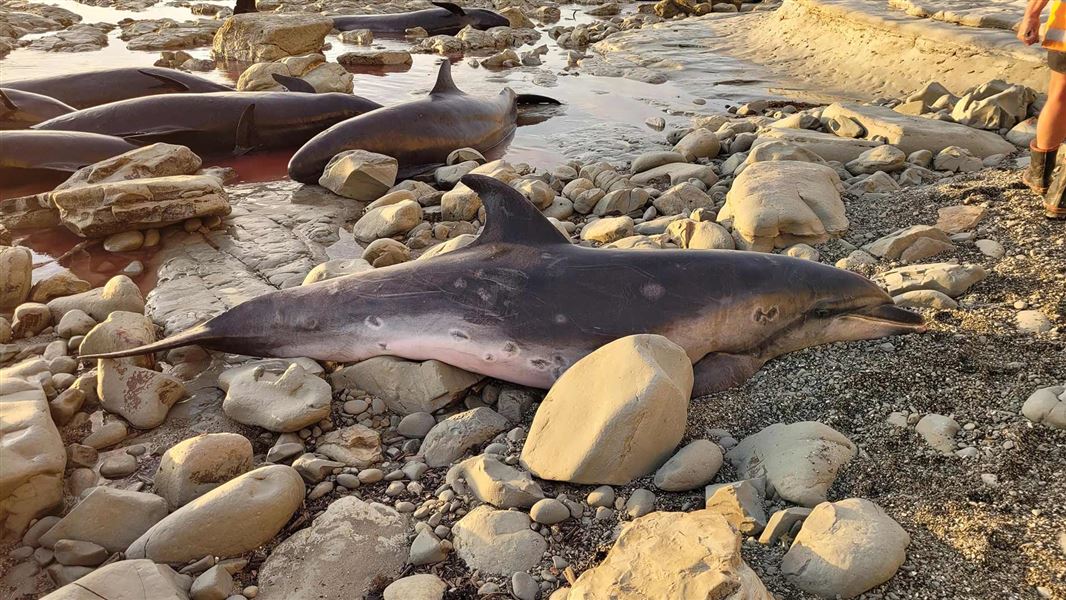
(892, 316)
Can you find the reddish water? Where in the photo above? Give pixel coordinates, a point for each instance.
(621, 105)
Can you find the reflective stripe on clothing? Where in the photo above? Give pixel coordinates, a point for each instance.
(1055, 29)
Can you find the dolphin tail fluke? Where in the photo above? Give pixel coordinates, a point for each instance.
(196, 335)
(525, 99)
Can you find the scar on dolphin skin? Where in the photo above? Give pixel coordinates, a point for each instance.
(767, 315)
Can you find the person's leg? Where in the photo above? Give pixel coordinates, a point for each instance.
(1042, 176)
(1051, 125)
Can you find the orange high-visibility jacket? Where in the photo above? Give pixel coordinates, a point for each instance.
(1055, 28)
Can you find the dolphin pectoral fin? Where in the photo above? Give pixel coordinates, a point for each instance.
(7, 101)
(510, 218)
(294, 84)
(526, 99)
(720, 371)
(445, 84)
(149, 137)
(167, 80)
(455, 9)
(246, 137)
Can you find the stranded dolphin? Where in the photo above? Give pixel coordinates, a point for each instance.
(446, 19)
(93, 88)
(522, 304)
(19, 110)
(418, 134)
(217, 122)
(28, 155)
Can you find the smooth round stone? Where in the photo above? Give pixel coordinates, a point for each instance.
(416, 425)
(549, 511)
(348, 480)
(118, 466)
(602, 496)
(371, 475)
(126, 241)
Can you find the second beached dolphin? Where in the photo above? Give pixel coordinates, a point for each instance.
(522, 304)
(419, 134)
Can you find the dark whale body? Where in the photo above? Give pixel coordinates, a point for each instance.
(522, 304)
(446, 19)
(28, 155)
(217, 122)
(20, 110)
(93, 88)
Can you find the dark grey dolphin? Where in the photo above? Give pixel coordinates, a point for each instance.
(419, 134)
(217, 122)
(20, 110)
(447, 19)
(522, 304)
(93, 88)
(28, 155)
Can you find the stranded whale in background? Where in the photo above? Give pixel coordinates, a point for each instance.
(20, 110)
(522, 304)
(419, 134)
(217, 122)
(28, 155)
(446, 19)
(93, 88)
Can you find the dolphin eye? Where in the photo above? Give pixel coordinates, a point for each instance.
(821, 313)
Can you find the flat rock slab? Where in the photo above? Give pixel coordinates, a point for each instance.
(105, 208)
(826, 145)
(911, 134)
(275, 235)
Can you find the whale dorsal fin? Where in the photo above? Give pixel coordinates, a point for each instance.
(444, 84)
(510, 217)
(6, 101)
(167, 80)
(294, 84)
(451, 7)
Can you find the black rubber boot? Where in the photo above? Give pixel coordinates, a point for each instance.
(1055, 198)
(1041, 167)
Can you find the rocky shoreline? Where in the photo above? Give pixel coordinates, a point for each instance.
(923, 466)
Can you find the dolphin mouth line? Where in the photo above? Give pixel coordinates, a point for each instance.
(893, 316)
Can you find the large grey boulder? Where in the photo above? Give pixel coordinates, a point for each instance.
(452, 437)
(108, 517)
(155, 160)
(783, 203)
(351, 550)
(844, 549)
(195, 466)
(127, 580)
(947, 278)
(799, 461)
(498, 542)
(630, 397)
(238, 516)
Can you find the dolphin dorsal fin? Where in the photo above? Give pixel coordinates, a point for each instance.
(510, 217)
(7, 101)
(444, 84)
(167, 80)
(294, 84)
(451, 7)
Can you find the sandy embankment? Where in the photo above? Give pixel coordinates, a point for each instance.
(845, 48)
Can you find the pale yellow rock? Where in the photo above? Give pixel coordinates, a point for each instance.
(673, 555)
(261, 36)
(198, 465)
(781, 203)
(630, 396)
(121, 330)
(16, 267)
(406, 386)
(238, 516)
(156, 160)
(119, 293)
(126, 580)
(387, 221)
(101, 209)
(31, 453)
(141, 396)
